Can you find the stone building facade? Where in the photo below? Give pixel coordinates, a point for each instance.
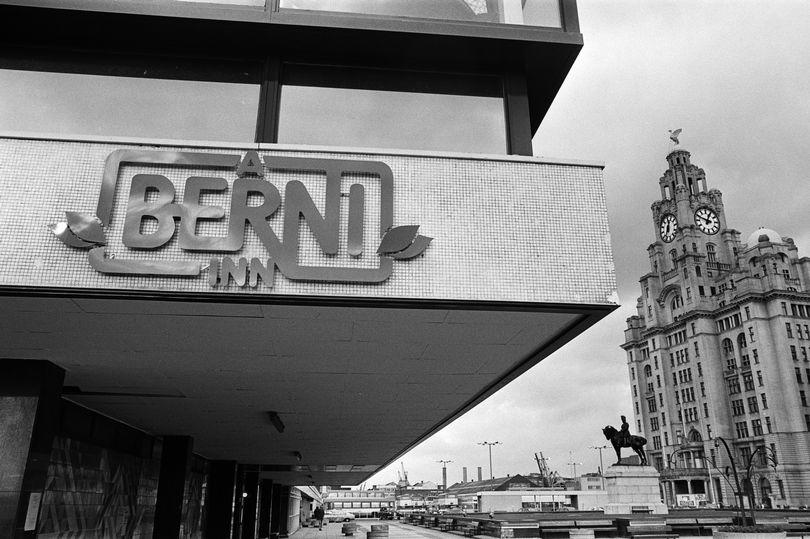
(718, 352)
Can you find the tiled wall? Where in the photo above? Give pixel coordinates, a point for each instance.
(93, 492)
(516, 229)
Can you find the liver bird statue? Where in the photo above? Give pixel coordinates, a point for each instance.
(673, 135)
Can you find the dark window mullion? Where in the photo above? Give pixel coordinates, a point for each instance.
(267, 118)
(516, 108)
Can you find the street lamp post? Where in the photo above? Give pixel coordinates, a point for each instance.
(572, 463)
(490, 444)
(739, 492)
(601, 465)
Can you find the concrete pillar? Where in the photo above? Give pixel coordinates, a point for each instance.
(479, 473)
(250, 504)
(239, 502)
(280, 511)
(175, 462)
(265, 508)
(30, 394)
(464, 474)
(220, 498)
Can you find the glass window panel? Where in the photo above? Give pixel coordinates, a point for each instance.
(251, 3)
(430, 9)
(83, 104)
(542, 13)
(392, 119)
(529, 12)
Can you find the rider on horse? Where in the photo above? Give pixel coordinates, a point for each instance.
(624, 433)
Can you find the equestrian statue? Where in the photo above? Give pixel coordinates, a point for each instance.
(623, 438)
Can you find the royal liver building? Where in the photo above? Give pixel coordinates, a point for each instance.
(718, 353)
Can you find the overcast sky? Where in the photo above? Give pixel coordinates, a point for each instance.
(735, 75)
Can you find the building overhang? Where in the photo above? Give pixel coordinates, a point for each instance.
(327, 369)
(69, 30)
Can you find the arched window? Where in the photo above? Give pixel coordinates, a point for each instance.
(741, 343)
(685, 273)
(694, 436)
(697, 271)
(711, 254)
(673, 254)
(647, 371)
(694, 247)
(677, 302)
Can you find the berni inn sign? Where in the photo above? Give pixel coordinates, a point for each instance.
(152, 198)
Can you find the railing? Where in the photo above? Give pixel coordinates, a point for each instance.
(718, 266)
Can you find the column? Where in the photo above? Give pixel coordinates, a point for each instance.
(280, 511)
(251, 488)
(175, 461)
(220, 498)
(30, 393)
(265, 508)
(239, 502)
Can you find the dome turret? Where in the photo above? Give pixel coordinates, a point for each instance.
(763, 234)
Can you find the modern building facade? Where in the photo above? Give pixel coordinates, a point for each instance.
(250, 245)
(718, 352)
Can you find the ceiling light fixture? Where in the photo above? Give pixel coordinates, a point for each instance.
(276, 421)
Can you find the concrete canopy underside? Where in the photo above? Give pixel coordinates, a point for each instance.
(354, 384)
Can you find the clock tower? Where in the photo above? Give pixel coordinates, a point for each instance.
(720, 348)
(690, 222)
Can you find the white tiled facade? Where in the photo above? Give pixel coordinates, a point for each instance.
(719, 348)
(504, 229)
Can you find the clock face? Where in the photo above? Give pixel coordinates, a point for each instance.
(669, 224)
(707, 221)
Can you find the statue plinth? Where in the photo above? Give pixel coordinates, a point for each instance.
(633, 489)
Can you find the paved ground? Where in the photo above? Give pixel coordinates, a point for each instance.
(400, 530)
(396, 530)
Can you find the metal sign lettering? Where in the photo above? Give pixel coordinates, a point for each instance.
(153, 198)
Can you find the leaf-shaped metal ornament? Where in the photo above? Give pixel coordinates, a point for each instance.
(63, 232)
(417, 248)
(87, 227)
(397, 239)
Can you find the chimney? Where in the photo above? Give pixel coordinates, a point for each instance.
(464, 474)
(479, 473)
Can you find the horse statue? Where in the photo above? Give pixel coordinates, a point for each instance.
(634, 442)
